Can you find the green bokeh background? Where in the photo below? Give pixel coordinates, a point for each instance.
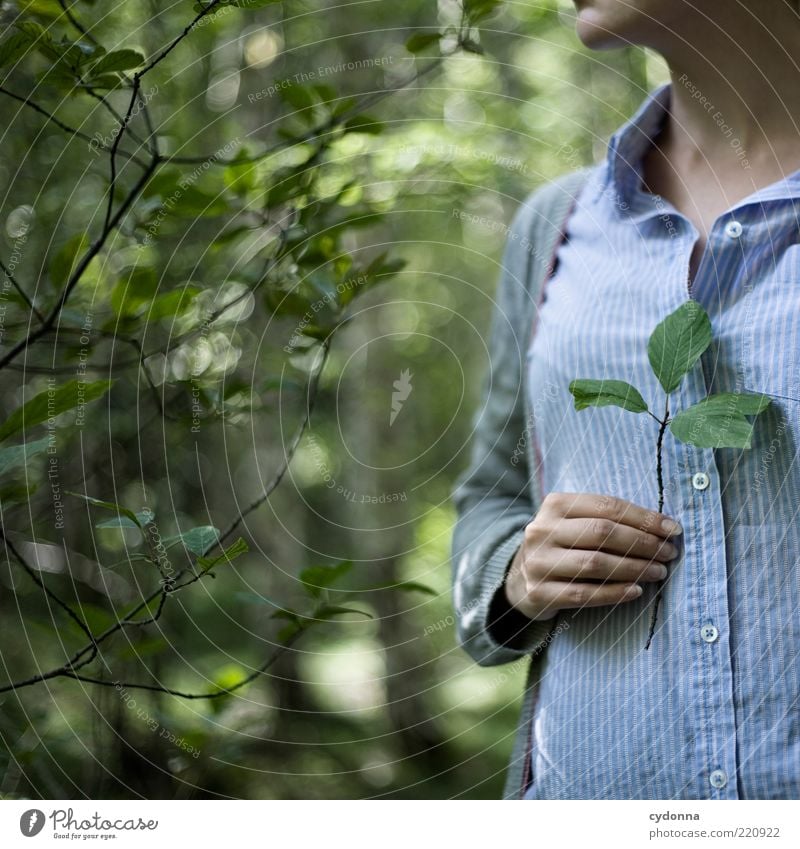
(380, 707)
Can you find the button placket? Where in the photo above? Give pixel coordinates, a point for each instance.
(707, 607)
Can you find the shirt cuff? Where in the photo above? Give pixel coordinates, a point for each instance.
(506, 626)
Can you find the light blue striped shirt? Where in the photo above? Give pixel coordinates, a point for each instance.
(711, 710)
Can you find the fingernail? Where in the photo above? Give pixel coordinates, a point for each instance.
(670, 550)
(659, 572)
(671, 528)
(634, 591)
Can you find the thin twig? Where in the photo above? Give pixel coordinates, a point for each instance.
(78, 659)
(26, 101)
(178, 39)
(214, 694)
(50, 594)
(660, 474)
(76, 275)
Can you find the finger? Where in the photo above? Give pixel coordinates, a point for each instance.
(587, 565)
(557, 595)
(587, 505)
(606, 535)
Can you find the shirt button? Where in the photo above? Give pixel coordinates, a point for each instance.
(709, 633)
(733, 229)
(700, 480)
(718, 778)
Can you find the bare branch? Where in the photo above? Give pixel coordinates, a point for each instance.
(62, 126)
(50, 594)
(214, 694)
(76, 275)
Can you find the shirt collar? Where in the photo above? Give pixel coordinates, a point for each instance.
(621, 174)
(623, 167)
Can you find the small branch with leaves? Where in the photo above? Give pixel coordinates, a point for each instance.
(718, 421)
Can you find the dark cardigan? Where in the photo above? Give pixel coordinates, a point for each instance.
(499, 493)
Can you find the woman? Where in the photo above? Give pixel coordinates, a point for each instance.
(557, 551)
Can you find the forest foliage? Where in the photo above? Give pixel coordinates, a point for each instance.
(248, 256)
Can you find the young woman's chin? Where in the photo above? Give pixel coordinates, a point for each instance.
(593, 30)
(604, 24)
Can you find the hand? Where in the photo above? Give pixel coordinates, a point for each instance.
(578, 540)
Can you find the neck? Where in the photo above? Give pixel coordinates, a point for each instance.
(738, 85)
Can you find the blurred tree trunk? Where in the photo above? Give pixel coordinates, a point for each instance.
(387, 530)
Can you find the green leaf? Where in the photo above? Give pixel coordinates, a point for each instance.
(16, 493)
(13, 48)
(314, 331)
(108, 505)
(35, 32)
(422, 40)
(118, 522)
(183, 196)
(315, 579)
(64, 262)
(69, 56)
(143, 517)
(173, 303)
(405, 586)
(18, 455)
(677, 343)
(329, 611)
(240, 4)
(197, 540)
(299, 96)
(719, 420)
(137, 286)
(117, 60)
(604, 393)
(96, 618)
(284, 613)
(240, 175)
(282, 303)
(106, 81)
(364, 124)
(229, 676)
(50, 9)
(382, 267)
(51, 402)
(477, 10)
(233, 551)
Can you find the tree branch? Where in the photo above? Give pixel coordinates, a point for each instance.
(214, 694)
(76, 275)
(50, 594)
(62, 126)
